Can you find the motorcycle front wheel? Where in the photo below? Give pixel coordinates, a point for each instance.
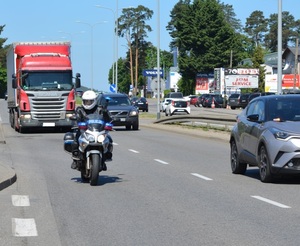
(95, 166)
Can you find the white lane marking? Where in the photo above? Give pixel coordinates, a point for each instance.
(162, 162)
(134, 151)
(20, 201)
(24, 227)
(201, 176)
(115, 143)
(271, 202)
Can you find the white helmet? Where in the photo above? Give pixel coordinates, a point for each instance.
(89, 99)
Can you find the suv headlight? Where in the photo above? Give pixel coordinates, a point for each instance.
(133, 113)
(279, 134)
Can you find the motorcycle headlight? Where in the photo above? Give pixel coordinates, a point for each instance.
(100, 138)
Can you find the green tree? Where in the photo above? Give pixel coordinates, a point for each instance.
(3, 51)
(230, 17)
(256, 26)
(132, 25)
(205, 39)
(290, 28)
(258, 60)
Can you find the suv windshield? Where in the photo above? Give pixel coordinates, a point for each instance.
(117, 101)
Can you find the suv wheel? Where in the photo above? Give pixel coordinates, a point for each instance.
(135, 126)
(264, 166)
(236, 166)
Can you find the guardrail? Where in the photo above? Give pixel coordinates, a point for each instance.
(217, 121)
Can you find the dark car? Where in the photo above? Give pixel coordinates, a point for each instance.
(217, 99)
(259, 94)
(234, 100)
(141, 104)
(267, 135)
(121, 110)
(244, 100)
(201, 99)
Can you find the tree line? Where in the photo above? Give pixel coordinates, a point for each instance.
(206, 34)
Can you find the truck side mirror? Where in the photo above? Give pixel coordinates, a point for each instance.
(77, 80)
(14, 81)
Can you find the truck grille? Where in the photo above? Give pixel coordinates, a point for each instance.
(50, 108)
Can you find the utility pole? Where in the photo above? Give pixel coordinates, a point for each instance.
(296, 63)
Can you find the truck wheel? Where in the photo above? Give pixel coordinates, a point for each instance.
(95, 163)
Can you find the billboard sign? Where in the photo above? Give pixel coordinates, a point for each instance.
(152, 72)
(241, 77)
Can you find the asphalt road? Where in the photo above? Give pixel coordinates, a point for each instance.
(162, 188)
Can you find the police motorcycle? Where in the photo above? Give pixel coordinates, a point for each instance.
(93, 146)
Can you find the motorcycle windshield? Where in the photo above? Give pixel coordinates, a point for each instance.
(95, 122)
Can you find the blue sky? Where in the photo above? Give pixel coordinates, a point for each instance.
(55, 20)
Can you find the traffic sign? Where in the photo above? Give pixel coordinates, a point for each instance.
(112, 88)
(154, 84)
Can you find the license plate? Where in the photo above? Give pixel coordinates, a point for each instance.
(122, 119)
(48, 124)
(180, 110)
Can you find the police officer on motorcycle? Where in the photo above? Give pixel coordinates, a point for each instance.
(89, 106)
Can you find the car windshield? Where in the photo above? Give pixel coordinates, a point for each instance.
(119, 101)
(284, 109)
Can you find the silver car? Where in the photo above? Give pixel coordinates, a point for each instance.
(267, 135)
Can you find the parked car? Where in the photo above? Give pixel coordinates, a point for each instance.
(164, 104)
(201, 99)
(244, 99)
(142, 104)
(121, 110)
(259, 94)
(178, 106)
(218, 101)
(267, 135)
(174, 95)
(194, 100)
(234, 101)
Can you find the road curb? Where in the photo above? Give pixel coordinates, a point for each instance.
(9, 176)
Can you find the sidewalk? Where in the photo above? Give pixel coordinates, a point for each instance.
(7, 174)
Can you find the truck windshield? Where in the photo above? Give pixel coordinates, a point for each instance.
(54, 80)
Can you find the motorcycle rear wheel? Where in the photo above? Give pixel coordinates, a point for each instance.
(95, 166)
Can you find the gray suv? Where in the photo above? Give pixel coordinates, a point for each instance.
(121, 110)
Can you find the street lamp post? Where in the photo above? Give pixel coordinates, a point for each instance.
(158, 59)
(115, 49)
(279, 49)
(92, 54)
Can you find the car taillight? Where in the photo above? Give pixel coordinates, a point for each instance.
(173, 103)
